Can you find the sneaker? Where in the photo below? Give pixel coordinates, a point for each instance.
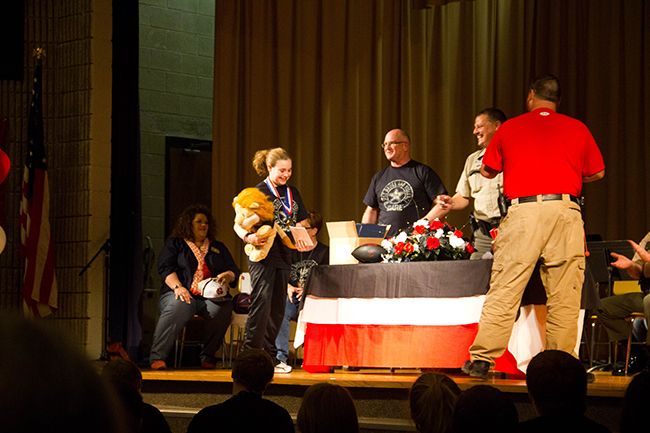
(159, 365)
(282, 368)
(478, 369)
(348, 368)
(637, 363)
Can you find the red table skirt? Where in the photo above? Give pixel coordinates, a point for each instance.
(396, 346)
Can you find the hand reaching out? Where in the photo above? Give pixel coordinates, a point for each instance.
(444, 201)
(621, 262)
(645, 256)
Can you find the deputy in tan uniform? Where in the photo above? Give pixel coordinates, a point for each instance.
(472, 185)
(617, 308)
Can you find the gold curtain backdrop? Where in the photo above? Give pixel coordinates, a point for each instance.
(327, 79)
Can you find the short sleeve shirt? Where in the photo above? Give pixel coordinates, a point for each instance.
(543, 152)
(645, 244)
(403, 194)
(303, 262)
(279, 255)
(484, 191)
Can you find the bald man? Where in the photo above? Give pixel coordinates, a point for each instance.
(403, 192)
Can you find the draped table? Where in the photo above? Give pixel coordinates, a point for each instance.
(412, 315)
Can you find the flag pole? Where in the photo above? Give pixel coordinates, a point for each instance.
(39, 291)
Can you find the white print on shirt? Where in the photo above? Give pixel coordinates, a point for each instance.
(397, 195)
(300, 270)
(280, 216)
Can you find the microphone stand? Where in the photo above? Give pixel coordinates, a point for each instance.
(106, 247)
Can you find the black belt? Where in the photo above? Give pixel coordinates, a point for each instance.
(486, 226)
(545, 197)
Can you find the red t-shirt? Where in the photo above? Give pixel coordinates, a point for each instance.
(543, 152)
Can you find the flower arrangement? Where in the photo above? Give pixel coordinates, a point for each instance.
(428, 241)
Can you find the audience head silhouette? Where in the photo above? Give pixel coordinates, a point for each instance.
(46, 383)
(327, 408)
(486, 409)
(557, 383)
(432, 400)
(122, 373)
(125, 379)
(252, 370)
(635, 403)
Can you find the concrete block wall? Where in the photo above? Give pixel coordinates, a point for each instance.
(76, 36)
(176, 70)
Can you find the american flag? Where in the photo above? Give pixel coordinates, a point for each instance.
(36, 248)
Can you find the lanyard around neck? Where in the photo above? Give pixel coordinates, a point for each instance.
(287, 203)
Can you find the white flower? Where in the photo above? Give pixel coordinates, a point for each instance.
(456, 242)
(387, 244)
(439, 233)
(416, 248)
(401, 237)
(423, 222)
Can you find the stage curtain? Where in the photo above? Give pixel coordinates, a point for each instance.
(327, 79)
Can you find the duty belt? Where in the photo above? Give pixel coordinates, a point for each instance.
(486, 226)
(544, 197)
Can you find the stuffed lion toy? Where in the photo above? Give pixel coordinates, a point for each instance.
(252, 208)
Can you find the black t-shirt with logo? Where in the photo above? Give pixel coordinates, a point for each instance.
(303, 262)
(279, 255)
(403, 194)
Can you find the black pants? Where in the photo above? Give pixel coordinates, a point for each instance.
(268, 296)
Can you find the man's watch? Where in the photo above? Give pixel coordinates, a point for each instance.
(177, 286)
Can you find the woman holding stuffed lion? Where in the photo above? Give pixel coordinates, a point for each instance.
(269, 276)
(191, 264)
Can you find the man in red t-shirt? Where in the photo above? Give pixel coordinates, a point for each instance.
(545, 158)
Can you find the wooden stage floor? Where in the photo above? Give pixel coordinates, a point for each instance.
(381, 396)
(605, 385)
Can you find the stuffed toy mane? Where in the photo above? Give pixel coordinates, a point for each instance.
(252, 210)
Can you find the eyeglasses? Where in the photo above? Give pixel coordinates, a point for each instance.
(391, 144)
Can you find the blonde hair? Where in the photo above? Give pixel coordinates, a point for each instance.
(266, 157)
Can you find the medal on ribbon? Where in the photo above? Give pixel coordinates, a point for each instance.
(287, 203)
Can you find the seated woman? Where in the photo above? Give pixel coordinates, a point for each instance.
(191, 255)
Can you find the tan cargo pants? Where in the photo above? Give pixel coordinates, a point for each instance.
(551, 231)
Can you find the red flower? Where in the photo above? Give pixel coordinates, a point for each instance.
(458, 233)
(418, 230)
(432, 243)
(408, 248)
(399, 247)
(470, 248)
(436, 225)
